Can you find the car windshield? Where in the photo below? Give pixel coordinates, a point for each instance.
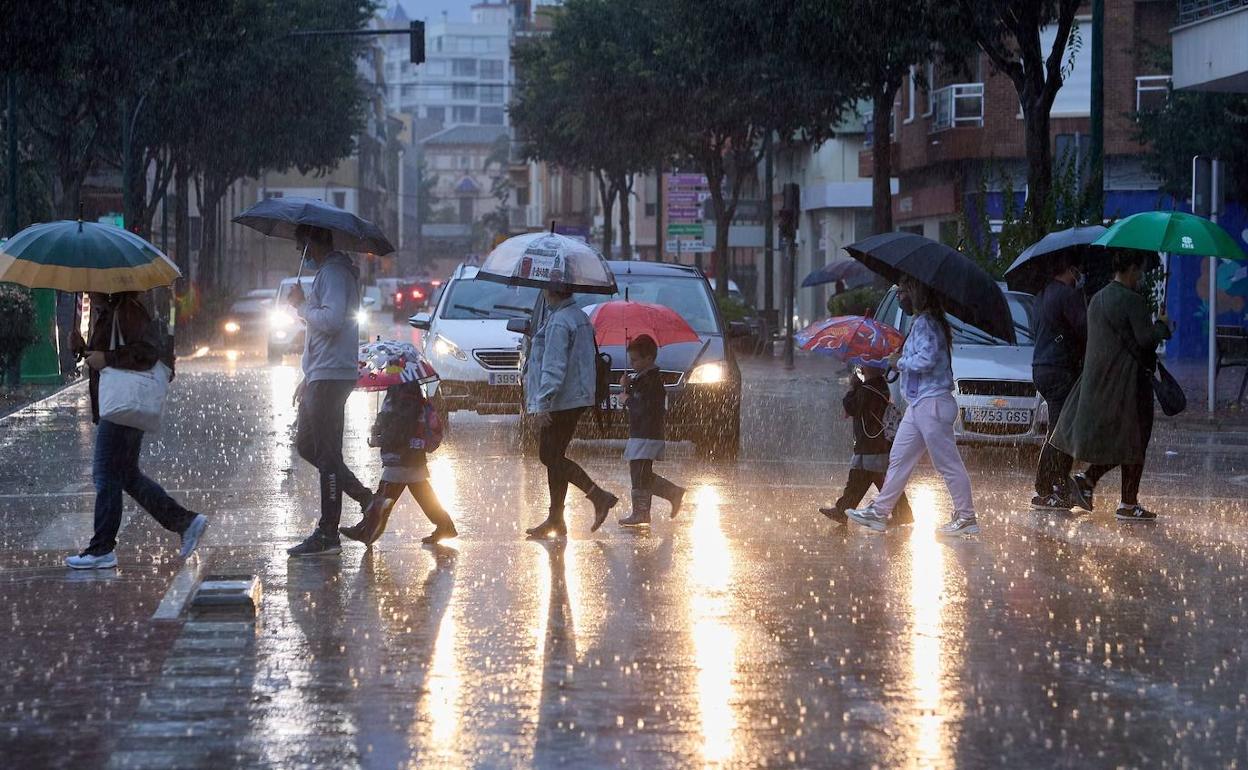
(687, 295)
(284, 291)
(965, 334)
(477, 300)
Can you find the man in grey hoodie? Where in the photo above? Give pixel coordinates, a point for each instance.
(331, 350)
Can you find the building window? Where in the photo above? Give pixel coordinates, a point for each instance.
(491, 69)
(492, 94)
(340, 199)
(492, 116)
(464, 115)
(650, 209)
(464, 68)
(434, 67)
(522, 196)
(464, 91)
(1074, 98)
(437, 44)
(465, 161)
(465, 211)
(436, 113)
(910, 92)
(950, 232)
(864, 223)
(1152, 92)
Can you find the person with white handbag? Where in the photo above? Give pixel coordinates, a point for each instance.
(130, 368)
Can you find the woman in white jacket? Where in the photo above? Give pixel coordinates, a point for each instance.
(927, 382)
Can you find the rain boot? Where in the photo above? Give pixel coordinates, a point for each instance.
(553, 525)
(603, 502)
(641, 510)
(386, 504)
(668, 491)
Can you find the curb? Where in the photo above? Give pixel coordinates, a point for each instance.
(180, 590)
(60, 389)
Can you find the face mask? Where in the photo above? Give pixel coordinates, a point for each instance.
(1081, 280)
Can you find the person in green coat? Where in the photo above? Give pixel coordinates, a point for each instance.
(1108, 417)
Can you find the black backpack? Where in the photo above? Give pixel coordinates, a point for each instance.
(602, 383)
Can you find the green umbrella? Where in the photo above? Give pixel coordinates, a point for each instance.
(1172, 231)
(84, 256)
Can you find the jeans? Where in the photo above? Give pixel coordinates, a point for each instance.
(552, 444)
(927, 426)
(856, 488)
(1054, 465)
(115, 469)
(319, 441)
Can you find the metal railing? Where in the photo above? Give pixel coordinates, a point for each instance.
(1151, 92)
(1195, 10)
(956, 106)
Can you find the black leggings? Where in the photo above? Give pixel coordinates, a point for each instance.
(552, 444)
(646, 480)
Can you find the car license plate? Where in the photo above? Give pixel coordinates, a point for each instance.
(997, 416)
(504, 378)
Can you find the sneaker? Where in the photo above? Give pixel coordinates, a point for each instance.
(317, 544)
(92, 561)
(835, 514)
(868, 517)
(959, 526)
(1081, 491)
(1051, 502)
(1134, 513)
(192, 535)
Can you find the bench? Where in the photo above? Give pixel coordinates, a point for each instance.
(1232, 351)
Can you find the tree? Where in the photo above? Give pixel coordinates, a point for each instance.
(1008, 31)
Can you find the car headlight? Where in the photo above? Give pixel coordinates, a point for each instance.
(444, 347)
(361, 316)
(232, 327)
(281, 319)
(707, 374)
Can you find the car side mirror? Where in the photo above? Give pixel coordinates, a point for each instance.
(518, 326)
(368, 301)
(420, 321)
(738, 329)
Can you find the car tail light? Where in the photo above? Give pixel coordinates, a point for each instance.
(416, 294)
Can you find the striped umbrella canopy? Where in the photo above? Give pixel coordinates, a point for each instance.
(84, 256)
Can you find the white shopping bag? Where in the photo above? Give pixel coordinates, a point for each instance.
(133, 398)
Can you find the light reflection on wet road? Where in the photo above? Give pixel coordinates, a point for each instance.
(748, 632)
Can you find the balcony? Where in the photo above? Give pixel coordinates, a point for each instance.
(957, 106)
(1195, 10)
(1210, 46)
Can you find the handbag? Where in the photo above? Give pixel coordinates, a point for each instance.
(134, 398)
(1170, 396)
(890, 421)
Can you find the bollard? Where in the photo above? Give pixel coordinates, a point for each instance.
(41, 362)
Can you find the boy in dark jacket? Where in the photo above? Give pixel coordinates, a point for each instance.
(397, 433)
(865, 403)
(646, 402)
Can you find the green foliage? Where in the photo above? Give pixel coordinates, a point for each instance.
(1196, 123)
(857, 301)
(732, 309)
(17, 324)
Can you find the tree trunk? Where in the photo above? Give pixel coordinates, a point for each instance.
(209, 260)
(182, 222)
(624, 184)
(606, 194)
(1039, 165)
(723, 221)
(882, 159)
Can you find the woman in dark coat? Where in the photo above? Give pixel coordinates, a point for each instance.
(1108, 418)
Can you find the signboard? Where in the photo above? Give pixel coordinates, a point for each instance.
(685, 231)
(695, 230)
(687, 247)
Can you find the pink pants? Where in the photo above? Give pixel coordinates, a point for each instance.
(927, 424)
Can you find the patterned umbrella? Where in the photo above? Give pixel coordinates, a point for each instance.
(547, 260)
(619, 321)
(853, 339)
(386, 363)
(84, 256)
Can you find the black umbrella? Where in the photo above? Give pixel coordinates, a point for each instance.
(1034, 267)
(967, 290)
(280, 216)
(854, 274)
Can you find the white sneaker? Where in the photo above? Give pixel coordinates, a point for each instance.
(868, 517)
(90, 561)
(194, 531)
(959, 526)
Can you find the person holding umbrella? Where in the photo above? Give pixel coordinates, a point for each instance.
(927, 382)
(330, 358)
(1108, 416)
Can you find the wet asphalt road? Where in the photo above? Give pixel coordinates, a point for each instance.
(749, 632)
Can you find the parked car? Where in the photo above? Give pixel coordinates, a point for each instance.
(997, 401)
(702, 379)
(248, 315)
(467, 341)
(286, 328)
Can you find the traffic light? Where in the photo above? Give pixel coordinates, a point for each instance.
(417, 42)
(789, 210)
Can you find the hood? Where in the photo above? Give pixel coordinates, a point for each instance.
(341, 258)
(472, 333)
(992, 362)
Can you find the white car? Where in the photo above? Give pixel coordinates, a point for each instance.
(997, 400)
(286, 328)
(466, 340)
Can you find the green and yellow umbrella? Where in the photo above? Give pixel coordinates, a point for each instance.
(84, 256)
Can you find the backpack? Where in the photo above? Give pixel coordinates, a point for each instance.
(429, 430)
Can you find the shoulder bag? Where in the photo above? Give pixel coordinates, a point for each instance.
(1170, 396)
(134, 398)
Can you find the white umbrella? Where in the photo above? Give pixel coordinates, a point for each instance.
(549, 260)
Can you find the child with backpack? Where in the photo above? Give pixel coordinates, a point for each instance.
(646, 401)
(867, 403)
(407, 429)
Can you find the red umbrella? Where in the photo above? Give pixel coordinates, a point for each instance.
(619, 321)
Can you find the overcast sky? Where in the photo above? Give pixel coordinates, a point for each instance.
(457, 10)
